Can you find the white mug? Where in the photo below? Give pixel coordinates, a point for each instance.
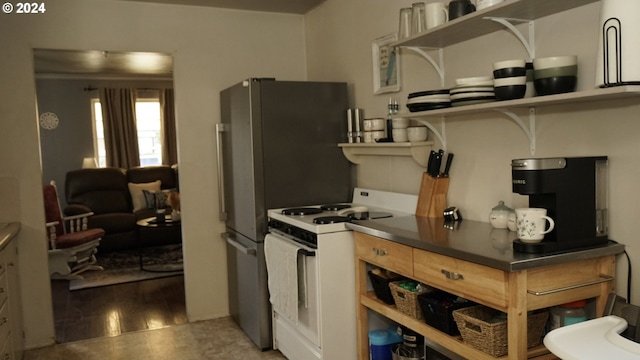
(436, 14)
(531, 224)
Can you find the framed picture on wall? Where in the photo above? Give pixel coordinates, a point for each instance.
(386, 67)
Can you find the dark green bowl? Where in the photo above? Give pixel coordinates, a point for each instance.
(555, 85)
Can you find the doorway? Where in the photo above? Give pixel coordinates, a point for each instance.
(66, 84)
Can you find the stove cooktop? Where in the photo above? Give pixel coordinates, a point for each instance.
(367, 204)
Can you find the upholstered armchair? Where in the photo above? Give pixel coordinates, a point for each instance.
(72, 247)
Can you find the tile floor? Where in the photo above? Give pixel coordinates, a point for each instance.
(205, 340)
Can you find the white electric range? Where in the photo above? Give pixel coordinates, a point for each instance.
(325, 324)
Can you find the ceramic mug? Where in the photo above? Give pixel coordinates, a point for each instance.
(437, 14)
(531, 225)
(458, 8)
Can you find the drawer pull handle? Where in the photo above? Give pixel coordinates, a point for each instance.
(603, 278)
(452, 275)
(380, 252)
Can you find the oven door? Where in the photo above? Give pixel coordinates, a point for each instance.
(301, 339)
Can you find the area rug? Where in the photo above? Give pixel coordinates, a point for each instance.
(124, 266)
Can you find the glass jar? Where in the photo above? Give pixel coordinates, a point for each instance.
(567, 314)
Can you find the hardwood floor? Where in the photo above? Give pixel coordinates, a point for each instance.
(144, 320)
(117, 309)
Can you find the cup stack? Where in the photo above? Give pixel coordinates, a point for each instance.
(510, 79)
(399, 129)
(374, 129)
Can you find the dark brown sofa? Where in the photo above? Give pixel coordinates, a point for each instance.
(107, 192)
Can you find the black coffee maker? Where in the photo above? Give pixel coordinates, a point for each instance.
(574, 192)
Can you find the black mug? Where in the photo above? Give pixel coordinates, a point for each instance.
(459, 8)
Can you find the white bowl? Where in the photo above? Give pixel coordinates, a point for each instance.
(417, 133)
(400, 123)
(373, 124)
(516, 80)
(477, 80)
(520, 63)
(472, 95)
(368, 136)
(399, 135)
(554, 61)
(486, 3)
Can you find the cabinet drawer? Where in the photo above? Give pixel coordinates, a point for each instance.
(386, 254)
(471, 281)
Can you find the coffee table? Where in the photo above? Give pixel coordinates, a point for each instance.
(152, 223)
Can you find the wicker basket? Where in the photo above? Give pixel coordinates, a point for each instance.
(491, 337)
(406, 300)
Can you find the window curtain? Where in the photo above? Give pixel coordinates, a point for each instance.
(168, 120)
(119, 121)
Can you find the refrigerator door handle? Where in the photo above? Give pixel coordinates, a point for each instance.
(243, 249)
(220, 128)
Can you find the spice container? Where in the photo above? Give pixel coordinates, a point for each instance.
(567, 314)
(380, 342)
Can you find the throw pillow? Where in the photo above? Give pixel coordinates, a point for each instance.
(156, 199)
(137, 196)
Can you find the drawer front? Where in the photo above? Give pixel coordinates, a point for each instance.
(557, 284)
(386, 254)
(471, 281)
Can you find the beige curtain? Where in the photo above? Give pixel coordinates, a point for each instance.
(119, 120)
(169, 136)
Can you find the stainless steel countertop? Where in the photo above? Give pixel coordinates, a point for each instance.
(7, 232)
(472, 241)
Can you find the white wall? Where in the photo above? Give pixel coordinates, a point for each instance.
(339, 36)
(212, 50)
(215, 48)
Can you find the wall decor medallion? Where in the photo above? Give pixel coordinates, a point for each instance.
(386, 65)
(49, 120)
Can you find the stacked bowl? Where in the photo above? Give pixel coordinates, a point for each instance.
(429, 100)
(399, 129)
(473, 90)
(555, 75)
(510, 79)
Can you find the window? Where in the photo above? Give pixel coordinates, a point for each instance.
(149, 128)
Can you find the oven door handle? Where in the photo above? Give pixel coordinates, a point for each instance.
(243, 249)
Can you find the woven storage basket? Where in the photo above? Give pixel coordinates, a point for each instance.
(406, 300)
(491, 337)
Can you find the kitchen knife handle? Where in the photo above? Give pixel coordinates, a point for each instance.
(447, 166)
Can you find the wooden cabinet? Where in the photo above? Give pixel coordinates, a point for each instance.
(513, 292)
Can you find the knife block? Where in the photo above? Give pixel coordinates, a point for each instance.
(432, 199)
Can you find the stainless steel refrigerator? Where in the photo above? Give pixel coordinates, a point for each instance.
(277, 147)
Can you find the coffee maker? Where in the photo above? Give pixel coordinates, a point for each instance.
(574, 192)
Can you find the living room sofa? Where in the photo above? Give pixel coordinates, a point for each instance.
(119, 198)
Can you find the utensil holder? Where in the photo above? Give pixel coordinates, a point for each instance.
(432, 199)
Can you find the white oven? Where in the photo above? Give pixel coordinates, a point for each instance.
(323, 323)
(298, 329)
